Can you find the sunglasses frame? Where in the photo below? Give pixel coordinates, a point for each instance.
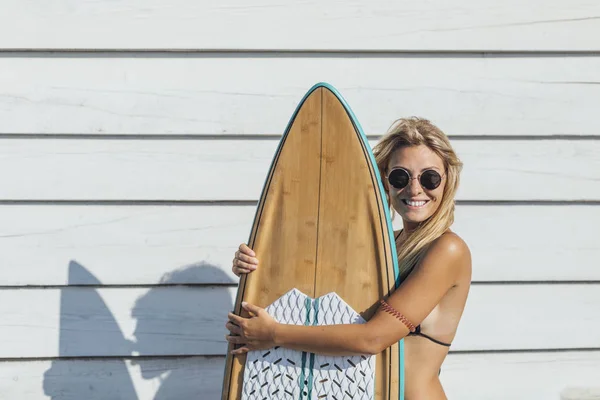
(418, 178)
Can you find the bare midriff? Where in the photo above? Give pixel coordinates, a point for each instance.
(422, 362)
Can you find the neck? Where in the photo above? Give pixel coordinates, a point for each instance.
(409, 227)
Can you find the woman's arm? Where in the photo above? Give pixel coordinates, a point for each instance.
(262, 332)
(416, 297)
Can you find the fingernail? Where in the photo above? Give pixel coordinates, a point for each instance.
(244, 304)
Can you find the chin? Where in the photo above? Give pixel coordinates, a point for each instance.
(415, 219)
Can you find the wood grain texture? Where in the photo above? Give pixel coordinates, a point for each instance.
(236, 169)
(354, 253)
(532, 376)
(284, 233)
(191, 321)
(228, 94)
(300, 218)
(147, 245)
(277, 24)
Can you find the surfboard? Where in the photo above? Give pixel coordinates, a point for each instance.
(324, 238)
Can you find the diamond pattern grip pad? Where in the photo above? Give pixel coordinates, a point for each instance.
(281, 373)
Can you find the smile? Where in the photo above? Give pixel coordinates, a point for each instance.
(415, 204)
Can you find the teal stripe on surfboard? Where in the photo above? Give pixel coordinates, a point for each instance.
(308, 305)
(312, 355)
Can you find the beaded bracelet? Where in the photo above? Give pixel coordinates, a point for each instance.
(389, 309)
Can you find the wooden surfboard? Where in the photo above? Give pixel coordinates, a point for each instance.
(323, 236)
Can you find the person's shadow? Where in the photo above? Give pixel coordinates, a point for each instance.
(166, 318)
(216, 302)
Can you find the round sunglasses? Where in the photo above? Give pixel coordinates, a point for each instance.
(429, 179)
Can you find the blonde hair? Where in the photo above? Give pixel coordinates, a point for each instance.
(415, 131)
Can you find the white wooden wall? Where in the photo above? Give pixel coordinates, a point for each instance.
(135, 137)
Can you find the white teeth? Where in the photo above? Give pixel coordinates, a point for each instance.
(415, 203)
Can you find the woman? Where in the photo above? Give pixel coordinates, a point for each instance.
(420, 172)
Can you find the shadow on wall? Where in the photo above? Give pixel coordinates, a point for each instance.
(167, 323)
(180, 330)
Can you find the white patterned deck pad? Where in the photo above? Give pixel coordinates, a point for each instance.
(281, 373)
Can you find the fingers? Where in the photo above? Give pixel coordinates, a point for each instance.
(235, 339)
(236, 319)
(245, 260)
(239, 271)
(242, 266)
(241, 350)
(251, 308)
(247, 250)
(233, 328)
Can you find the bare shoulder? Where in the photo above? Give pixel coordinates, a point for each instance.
(451, 248)
(452, 244)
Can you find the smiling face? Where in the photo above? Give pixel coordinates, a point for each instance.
(415, 203)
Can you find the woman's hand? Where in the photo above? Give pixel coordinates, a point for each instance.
(254, 333)
(244, 261)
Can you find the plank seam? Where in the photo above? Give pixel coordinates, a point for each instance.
(512, 351)
(265, 137)
(109, 358)
(287, 52)
(222, 357)
(235, 285)
(253, 203)
(550, 282)
(122, 286)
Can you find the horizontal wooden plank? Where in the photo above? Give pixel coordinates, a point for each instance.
(126, 321)
(97, 379)
(236, 169)
(380, 24)
(529, 376)
(531, 243)
(255, 95)
(120, 245)
(191, 321)
(532, 376)
(144, 245)
(582, 393)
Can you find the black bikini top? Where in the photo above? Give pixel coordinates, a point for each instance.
(417, 331)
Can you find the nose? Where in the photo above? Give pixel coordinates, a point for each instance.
(414, 186)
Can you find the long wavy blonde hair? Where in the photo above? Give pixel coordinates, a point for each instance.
(415, 131)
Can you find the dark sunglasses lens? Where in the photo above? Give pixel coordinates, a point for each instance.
(430, 179)
(398, 178)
